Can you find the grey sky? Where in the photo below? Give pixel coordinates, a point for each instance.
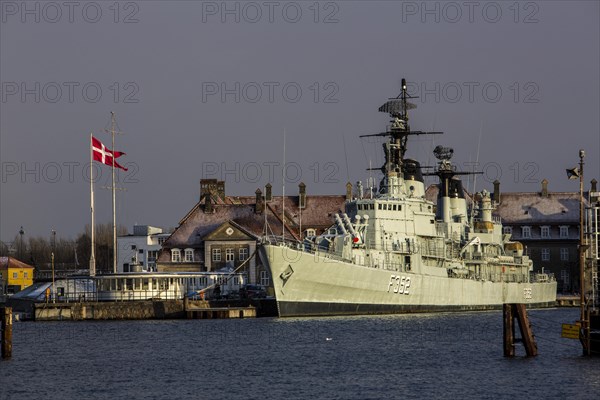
(543, 56)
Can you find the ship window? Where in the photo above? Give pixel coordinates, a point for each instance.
(380, 206)
(372, 206)
(395, 208)
(360, 207)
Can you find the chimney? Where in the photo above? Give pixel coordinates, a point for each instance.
(206, 187)
(208, 208)
(594, 191)
(268, 193)
(545, 188)
(348, 191)
(302, 197)
(221, 189)
(259, 204)
(497, 191)
(212, 187)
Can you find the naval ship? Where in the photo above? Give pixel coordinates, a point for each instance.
(394, 251)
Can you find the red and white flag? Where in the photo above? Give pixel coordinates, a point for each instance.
(104, 155)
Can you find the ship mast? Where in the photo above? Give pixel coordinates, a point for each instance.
(398, 131)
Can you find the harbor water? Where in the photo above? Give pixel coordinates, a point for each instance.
(447, 355)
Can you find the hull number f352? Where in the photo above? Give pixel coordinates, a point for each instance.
(399, 284)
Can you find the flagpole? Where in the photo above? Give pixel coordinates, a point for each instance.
(92, 255)
(112, 130)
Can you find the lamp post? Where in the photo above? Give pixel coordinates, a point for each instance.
(575, 173)
(21, 233)
(52, 259)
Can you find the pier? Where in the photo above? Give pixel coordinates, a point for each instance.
(151, 309)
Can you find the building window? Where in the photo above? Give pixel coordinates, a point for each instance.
(189, 255)
(526, 232)
(564, 232)
(216, 254)
(545, 232)
(264, 278)
(564, 276)
(152, 255)
(175, 255)
(25, 275)
(229, 255)
(545, 254)
(564, 254)
(507, 230)
(161, 240)
(15, 275)
(243, 253)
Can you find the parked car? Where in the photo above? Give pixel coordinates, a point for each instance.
(253, 292)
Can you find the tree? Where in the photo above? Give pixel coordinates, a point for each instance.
(104, 246)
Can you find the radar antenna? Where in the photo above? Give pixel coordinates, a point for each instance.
(398, 131)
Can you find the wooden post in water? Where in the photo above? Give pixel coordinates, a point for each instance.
(509, 330)
(518, 311)
(6, 316)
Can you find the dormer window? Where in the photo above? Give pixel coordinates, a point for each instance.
(564, 232)
(311, 232)
(526, 232)
(507, 230)
(175, 255)
(189, 255)
(545, 231)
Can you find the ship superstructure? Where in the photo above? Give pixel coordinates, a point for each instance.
(395, 251)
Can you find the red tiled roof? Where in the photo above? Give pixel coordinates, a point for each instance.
(12, 262)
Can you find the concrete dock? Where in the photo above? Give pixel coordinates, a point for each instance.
(151, 309)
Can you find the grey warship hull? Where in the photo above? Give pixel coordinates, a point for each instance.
(308, 284)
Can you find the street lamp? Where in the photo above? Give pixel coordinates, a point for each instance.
(52, 259)
(575, 173)
(21, 233)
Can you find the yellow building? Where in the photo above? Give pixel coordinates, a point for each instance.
(15, 275)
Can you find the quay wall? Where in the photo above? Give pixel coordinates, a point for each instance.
(167, 309)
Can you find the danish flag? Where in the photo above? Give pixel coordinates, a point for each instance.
(104, 155)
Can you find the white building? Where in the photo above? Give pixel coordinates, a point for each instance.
(138, 251)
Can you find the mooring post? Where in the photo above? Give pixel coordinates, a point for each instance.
(518, 311)
(6, 316)
(509, 330)
(526, 331)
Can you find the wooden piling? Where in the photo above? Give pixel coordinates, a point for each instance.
(519, 312)
(509, 331)
(6, 317)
